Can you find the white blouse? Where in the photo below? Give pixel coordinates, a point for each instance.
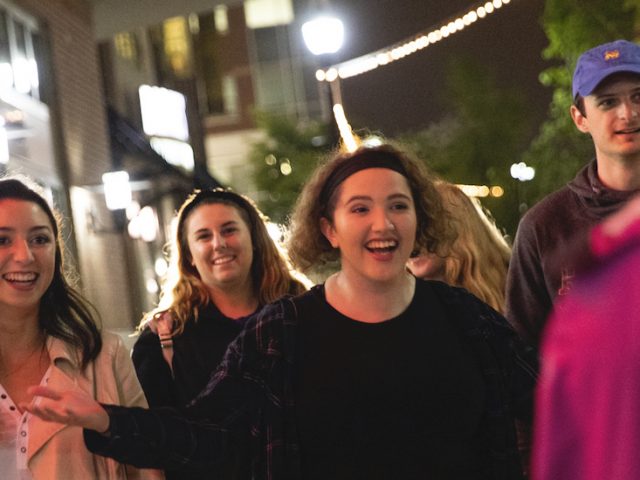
(14, 437)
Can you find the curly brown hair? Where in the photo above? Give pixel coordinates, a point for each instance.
(308, 247)
(183, 292)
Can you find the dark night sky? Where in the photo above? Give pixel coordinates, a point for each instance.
(405, 95)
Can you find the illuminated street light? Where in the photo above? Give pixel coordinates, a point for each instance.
(323, 35)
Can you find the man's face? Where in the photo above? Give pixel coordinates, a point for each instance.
(612, 117)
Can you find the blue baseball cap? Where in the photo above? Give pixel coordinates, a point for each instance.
(598, 63)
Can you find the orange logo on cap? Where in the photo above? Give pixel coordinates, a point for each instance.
(611, 54)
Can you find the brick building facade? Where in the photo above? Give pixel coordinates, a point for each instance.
(81, 151)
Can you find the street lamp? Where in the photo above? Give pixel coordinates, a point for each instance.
(324, 36)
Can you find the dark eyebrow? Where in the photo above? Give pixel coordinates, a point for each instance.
(400, 195)
(358, 198)
(606, 94)
(602, 95)
(41, 227)
(229, 223)
(31, 230)
(393, 196)
(225, 224)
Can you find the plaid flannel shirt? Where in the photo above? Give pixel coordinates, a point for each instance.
(249, 401)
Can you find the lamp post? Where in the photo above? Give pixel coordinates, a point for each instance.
(324, 35)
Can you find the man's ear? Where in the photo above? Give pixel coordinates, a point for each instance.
(327, 230)
(579, 119)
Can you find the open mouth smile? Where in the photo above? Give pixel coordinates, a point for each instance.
(20, 278)
(382, 246)
(628, 131)
(224, 259)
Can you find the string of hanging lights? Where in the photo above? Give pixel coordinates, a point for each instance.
(418, 42)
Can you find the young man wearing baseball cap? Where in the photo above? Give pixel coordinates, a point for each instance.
(606, 93)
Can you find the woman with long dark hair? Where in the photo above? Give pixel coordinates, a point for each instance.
(49, 336)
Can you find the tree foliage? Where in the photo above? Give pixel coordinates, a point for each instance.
(485, 133)
(283, 162)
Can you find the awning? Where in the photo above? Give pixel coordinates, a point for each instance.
(127, 142)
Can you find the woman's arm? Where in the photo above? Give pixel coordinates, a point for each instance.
(72, 407)
(199, 438)
(156, 438)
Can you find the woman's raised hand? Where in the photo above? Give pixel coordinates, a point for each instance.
(70, 407)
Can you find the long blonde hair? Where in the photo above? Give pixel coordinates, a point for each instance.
(183, 292)
(478, 258)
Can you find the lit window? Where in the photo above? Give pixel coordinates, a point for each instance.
(230, 95)
(19, 49)
(125, 44)
(221, 19)
(176, 45)
(268, 13)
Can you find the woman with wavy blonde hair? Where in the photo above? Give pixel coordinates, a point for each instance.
(224, 266)
(479, 256)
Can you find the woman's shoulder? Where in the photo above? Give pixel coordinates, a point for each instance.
(110, 338)
(475, 319)
(275, 321)
(447, 293)
(473, 311)
(112, 344)
(146, 343)
(146, 336)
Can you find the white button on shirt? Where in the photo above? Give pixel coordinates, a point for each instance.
(14, 437)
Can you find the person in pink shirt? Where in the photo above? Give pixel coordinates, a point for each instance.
(587, 422)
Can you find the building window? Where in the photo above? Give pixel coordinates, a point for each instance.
(221, 18)
(230, 96)
(268, 13)
(176, 36)
(126, 46)
(19, 53)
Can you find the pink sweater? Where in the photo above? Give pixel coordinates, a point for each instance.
(587, 424)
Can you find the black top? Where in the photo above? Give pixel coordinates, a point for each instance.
(251, 398)
(399, 399)
(197, 352)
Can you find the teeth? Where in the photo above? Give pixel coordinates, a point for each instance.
(381, 244)
(221, 260)
(20, 277)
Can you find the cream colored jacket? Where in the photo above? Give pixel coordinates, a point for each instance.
(56, 451)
